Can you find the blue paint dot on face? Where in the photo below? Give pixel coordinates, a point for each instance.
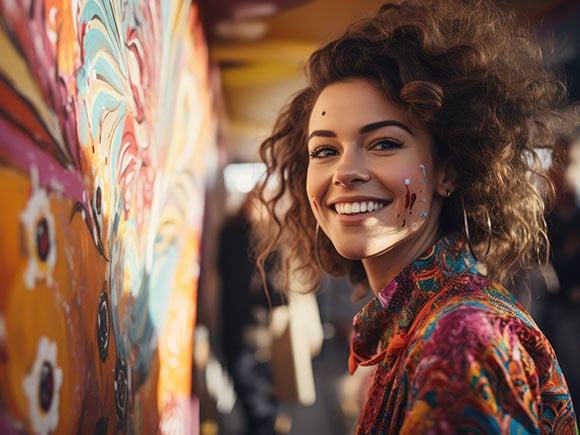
(407, 181)
(423, 170)
(423, 214)
(420, 181)
(424, 199)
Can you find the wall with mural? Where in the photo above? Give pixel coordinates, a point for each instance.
(106, 134)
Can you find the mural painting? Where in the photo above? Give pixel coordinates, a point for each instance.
(106, 134)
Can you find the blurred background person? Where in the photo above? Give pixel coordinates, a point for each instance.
(245, 310)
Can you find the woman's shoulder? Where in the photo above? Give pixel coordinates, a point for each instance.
(483, 349)
(480, 360)
(478, 314)
(475, 294)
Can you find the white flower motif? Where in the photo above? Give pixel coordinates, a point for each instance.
(42, 387)
(39, 235)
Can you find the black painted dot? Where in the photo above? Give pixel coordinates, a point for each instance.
(103, 326)
(46, 387)
(42, 239)
(323, 113)
(121, 390)
(98, 200)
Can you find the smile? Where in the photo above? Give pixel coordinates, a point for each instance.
(357, 207)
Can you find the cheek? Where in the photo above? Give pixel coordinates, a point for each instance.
(312, 191)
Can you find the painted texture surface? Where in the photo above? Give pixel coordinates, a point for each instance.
(106, 131)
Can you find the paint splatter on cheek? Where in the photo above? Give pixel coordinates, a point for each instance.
(410, 198)
(315, 206)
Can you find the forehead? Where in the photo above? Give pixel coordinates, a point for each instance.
(353, 102)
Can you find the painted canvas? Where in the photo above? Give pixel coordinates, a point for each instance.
(106, 136)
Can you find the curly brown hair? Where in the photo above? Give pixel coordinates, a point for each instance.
(475, 77)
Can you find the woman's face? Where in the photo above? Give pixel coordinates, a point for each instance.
(371, 179)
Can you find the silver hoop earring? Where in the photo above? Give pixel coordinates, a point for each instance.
(468, 237)
(317, 246)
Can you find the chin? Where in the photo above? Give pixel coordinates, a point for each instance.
(379, 245)
(352, 253)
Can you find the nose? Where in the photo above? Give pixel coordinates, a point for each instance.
(350, 169)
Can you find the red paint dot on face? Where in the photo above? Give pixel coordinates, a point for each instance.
(413, 199)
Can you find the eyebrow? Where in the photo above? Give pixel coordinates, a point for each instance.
(322, 133)
(366, 129)
(376, 125)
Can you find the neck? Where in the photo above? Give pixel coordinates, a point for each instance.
(383, 268)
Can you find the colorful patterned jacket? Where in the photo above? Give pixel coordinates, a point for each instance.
(455, 353)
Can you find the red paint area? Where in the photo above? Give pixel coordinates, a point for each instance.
(410, 200)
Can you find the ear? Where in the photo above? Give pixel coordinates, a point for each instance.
(445, 183)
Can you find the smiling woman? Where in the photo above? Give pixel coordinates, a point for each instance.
(411, 163)
(362, 154)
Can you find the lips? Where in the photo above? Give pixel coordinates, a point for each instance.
(357, 207)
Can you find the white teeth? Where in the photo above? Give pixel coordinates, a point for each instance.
(357, 207)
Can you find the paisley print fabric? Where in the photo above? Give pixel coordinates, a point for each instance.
(456, 353)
